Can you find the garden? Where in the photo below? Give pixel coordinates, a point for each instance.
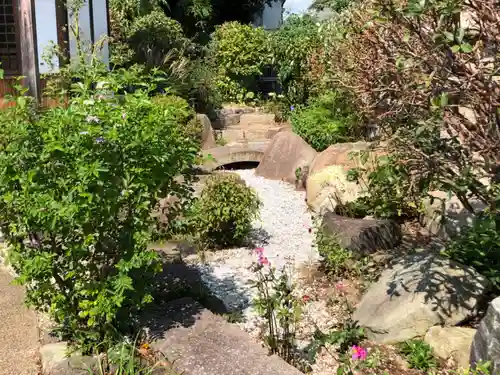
(363, 239)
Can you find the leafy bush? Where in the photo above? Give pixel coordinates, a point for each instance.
(238, 53)
(479, 247)
(153, 35)
(326, 120)
(389, 193)
(419, 355)
(337, 261)
(223, 214)
(77, 187)
(291, 46)
(418, 71)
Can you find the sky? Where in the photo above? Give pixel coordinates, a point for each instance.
(297, 6)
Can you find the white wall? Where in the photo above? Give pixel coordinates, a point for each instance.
(101, 27)
(46, 31)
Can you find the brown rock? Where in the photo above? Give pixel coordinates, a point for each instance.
(451, 342)
(330, 187)
(339, 154)
(363, 236)
(286, 153)
(198, 342)
(207, 135)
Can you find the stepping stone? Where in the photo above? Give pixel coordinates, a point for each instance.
(201, 343)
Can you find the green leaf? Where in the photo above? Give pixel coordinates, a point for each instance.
(455, 48)
(466, 48)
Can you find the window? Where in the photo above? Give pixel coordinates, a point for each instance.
(10, 56)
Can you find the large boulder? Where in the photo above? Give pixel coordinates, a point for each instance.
(486, 343)
(198, 342)
(362, 236)
(286, 154)
(339, 154)
(451, 342)
(329, 187)
(457, 216)
(207, 133)
(419, 291)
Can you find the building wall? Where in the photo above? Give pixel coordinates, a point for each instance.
(46, 31)
(271, 17)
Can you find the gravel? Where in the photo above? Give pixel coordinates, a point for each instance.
(283, 231)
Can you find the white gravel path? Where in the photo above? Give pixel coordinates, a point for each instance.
(283, 232)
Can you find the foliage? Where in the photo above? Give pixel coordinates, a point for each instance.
(153, 35)
(390, 194)
(291, 44)
(479, 247)
(335, 5)
(277, 305)
(126, 359)
(421, 73)
(326, 120)
(77, 186)
(337, 261)
(223, 214)
(239, 53)
(182, 114)
(419, 355)
(481, 368)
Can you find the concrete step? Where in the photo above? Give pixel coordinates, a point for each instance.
(201, 343)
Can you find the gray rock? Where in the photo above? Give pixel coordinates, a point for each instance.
(363, 236)
(416, 293)
(198, 342)
(56, 360)
(447, 217)
(207, 135)
(486, 343)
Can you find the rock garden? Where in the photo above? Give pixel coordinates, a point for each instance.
(173, 215)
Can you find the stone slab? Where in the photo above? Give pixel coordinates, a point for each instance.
(201, 343)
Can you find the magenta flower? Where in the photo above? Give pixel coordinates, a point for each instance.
(259, 251)
(358, 353)
(264, 261)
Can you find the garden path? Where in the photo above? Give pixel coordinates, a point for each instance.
(283, 231)
(18, 330)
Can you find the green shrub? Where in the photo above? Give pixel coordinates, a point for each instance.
(223, 214)
(479, 247)
(238, 53)
(182, 113)
(291, 46)
(338, 262)
(389, 192)
(153, 35)
(419, 355)
(326, 120)
(77, 188)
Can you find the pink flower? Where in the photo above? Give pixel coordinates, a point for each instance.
(263, 261)
(340, 287)
(358, 353)
(306, 298)
(259, 251)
